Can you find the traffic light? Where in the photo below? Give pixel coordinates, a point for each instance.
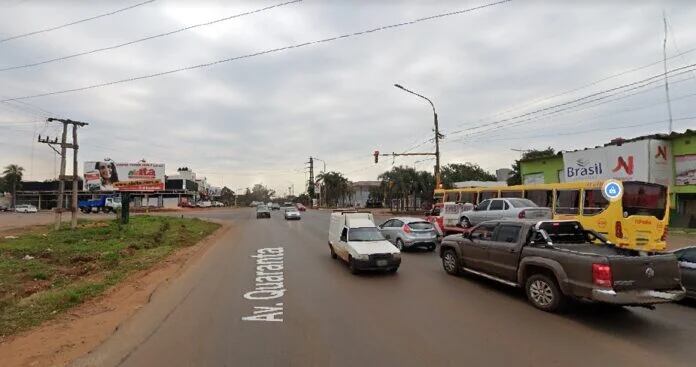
(376, 156)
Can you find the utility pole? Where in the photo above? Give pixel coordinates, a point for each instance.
(438, 136)
(664, 61)
(310, 184)
(64, 145)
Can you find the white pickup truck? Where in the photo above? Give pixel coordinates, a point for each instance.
(354, 237)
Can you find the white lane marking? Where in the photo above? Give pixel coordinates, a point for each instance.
(269, 285)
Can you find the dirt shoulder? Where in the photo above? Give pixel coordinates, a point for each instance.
(84, 327)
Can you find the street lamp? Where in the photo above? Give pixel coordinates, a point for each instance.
(437, 134)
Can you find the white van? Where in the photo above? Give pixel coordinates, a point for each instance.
(354, 237)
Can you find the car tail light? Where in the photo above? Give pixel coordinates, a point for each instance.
(522, 214)
(618, 231)
(601, 275)
(406, 228)
(664, 234)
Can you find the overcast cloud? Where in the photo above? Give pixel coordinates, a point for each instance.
(259, 119)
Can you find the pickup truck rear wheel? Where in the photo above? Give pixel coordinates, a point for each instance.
(450, 262)
(544, 294)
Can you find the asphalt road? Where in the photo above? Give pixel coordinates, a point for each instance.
(419, 317)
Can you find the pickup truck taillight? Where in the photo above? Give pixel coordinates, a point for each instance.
(522, 214)
(406, 228)
(618, 231)
(601, 275)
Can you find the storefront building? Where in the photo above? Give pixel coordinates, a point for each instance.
(669, 160)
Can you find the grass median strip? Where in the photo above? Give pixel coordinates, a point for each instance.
(44, 272)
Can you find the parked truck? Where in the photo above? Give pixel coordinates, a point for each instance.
(104, 203)
(554, 261)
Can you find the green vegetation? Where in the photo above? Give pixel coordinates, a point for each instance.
(44, 272)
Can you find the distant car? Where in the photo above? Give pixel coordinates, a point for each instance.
(4, 208)
(262, 211)
(275, 206)
(25, 208)
(300, 207)
(687, 264)
(503, 208)
(408, 233)
(292, 213)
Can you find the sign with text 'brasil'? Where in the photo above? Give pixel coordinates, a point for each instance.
(112, 176)
(646, 160)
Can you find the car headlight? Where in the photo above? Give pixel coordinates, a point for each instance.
(362, 257)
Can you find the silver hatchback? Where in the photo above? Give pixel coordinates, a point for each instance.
(406, 233)
(504, 208)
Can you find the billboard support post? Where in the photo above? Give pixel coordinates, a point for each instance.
(125, 207)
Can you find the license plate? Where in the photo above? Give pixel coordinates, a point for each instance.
(381, 262)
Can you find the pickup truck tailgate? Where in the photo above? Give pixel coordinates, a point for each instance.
(655, 272)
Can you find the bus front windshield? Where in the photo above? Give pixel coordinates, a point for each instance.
(641, 198)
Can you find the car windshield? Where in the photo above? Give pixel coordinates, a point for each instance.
(522, 203)
(261, 207)
(420, 225)
(365, 234)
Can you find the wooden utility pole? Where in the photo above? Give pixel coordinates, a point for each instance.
(64, 145)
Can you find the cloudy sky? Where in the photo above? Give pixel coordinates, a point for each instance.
(258, 119)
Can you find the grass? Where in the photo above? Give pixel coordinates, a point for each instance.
(45, 272)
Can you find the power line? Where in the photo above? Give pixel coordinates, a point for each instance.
(269, 51)
(634, 85)
(113, 47)
(73, 23)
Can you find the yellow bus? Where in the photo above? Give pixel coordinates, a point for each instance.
(637, 221)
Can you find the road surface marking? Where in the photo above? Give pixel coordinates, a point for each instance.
(269, 285)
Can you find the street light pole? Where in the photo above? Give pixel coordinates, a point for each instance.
(437, 134)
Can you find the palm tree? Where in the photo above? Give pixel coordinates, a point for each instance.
(13, 177)
(336, 188)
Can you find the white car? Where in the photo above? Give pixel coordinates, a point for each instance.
(26, 208)
(355, 238)
(292, 213)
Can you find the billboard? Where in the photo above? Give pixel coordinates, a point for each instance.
(112, 176)
(645, 160)
(685, 169)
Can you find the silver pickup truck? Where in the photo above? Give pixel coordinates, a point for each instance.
(557, 260)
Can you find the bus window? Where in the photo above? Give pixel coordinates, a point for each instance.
(540, 197)
(594, 202)
(468, 197)
(641, 198)
(511, 194)
(567, 202)
(485, 195)
(451, 196)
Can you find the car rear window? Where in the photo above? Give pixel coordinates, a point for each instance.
(420, 225)
(522, 203)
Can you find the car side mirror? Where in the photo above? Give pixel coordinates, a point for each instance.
(344, 239)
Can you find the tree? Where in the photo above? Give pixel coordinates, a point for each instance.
(13, 179)
(227, 196)
(260, 193)
(516, 175)
(336, 188)
(407, 184)
(304, 199)
(459, 172)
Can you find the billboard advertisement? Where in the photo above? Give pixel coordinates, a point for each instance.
(113, 176)
(645, 160)
(685, 168)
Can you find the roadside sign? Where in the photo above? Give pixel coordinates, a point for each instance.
(612, 190)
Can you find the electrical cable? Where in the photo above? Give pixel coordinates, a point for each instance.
(259, 53)
(73, 23)
(24, 66)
